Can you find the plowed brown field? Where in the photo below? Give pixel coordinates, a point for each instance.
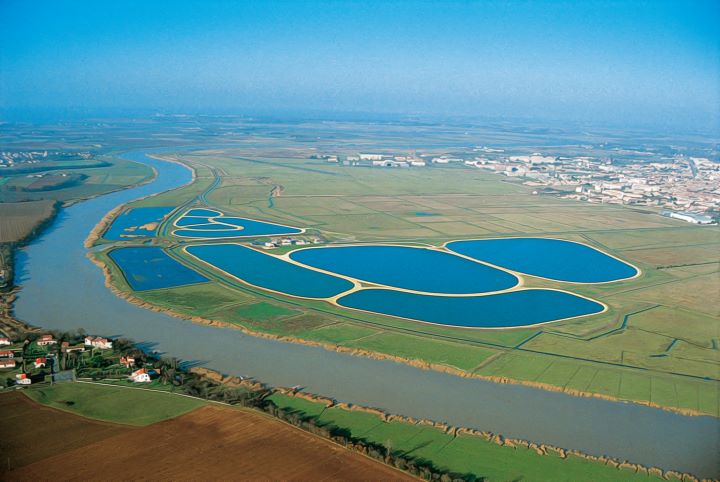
(210, 443)
(30, 432)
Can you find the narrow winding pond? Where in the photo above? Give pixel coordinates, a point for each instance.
(62, 289)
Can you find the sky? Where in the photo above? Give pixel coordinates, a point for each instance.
(607, 61)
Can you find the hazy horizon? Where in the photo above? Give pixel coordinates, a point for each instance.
(618, 63)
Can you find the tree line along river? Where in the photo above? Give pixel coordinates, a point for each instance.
(62, 289)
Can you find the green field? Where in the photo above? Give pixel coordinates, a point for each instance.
(114, 404)
(461, 453)
(658, 342)
(94, 178)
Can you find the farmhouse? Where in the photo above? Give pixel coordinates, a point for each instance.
(5, 341)
(22, 379)
(7, 364)
(65, 347)
(7, 354)
(143, 376)
(127, 361)
(98, 342)
(46, 340)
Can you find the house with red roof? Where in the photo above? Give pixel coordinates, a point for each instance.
(46, 340)
(127, 361)
(7, 364)
(98, 342)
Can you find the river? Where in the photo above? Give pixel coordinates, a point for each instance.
(62, 289)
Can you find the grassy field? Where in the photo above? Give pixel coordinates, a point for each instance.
(658, 342)
(114, 404)
(92, 179)
(461, 453)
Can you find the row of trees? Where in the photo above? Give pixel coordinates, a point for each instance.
(416, 466)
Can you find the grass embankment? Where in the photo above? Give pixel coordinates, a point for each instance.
(461, 453)
(114, 404)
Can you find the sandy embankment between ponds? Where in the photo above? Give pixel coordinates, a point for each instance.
(378, 356)
(541, 449)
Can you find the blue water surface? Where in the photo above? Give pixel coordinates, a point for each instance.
(127, 224)
(417, 269)
(511, 309)
(149, 268)
(202, 212)
(189, 221)
(250, 227)
(268, 272)
(548, 258)
(213, 227)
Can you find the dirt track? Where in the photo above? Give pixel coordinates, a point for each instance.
(211, 443)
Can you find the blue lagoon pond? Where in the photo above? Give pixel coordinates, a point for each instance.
(548, 258)
(208, 213)
(416, 269)
(150, 268)
(206, 223)
(268, 272)
(503, 310)
(134, 223)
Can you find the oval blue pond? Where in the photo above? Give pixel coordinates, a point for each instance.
(503, 310)
(268, 272)
(212, 227)
(191, 220)
(416, 269)
(203, 212)
(150, 268)
(548, 258)
(250, 227)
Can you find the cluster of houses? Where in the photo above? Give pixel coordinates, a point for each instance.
(9, 357)
(278, 242)
(378, 160)
(9, 360)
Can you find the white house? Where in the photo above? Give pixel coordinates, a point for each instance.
(98, 342)
(692, 217)
(144, 375)
(7, 364)
(5, 341)
(127, 361)
(371, 157)
(46, 340)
